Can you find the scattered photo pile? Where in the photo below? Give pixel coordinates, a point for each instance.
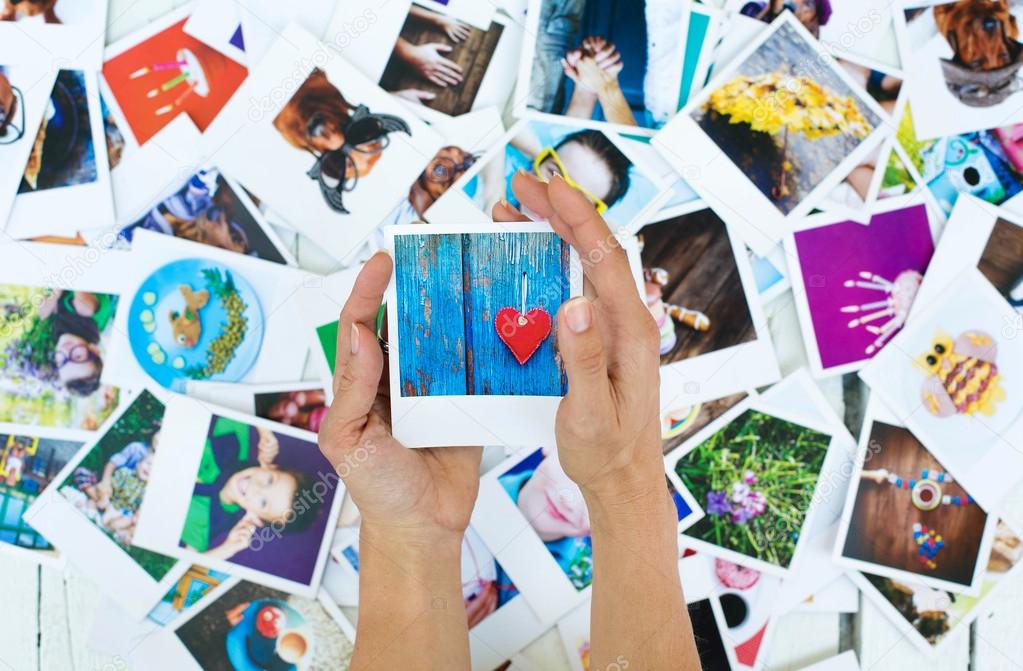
(821, 202)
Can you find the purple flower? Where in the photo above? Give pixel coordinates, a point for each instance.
(750, 478)
(717, 503)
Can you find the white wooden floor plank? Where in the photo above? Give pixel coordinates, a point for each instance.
(54, 633)
(19, 580)
(800, 639)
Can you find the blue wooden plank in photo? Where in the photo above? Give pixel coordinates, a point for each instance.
(431, 326)
(495, 264)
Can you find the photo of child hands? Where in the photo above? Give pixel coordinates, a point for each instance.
(416, 504)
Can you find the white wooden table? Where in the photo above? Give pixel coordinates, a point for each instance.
(46, 614)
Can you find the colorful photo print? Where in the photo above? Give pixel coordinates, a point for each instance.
(260, 500)
(1001, 262)
(855, 284)
(28, 464)
(682, 423)
(209, 209)
(693, 287)
(476, 313)
(604, 61)
(748, 599)
(910, 517)
(63, 153)
(440, 61)
(987, 164)
(162, 72)
(930, 615)
(962, 58)
(54, 343)
(107, 485)
(301, 408)
(186, 592)
(195, 319)
(249, 626)
(112, 133)
(755, 479)
(553, 505)
(784, 120)
(589, 160)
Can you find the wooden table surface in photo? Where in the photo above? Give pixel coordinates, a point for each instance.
(47, 613)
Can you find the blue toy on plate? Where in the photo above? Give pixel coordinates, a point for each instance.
(195, 319)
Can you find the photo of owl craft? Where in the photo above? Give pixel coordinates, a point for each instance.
(195, 319)
(962, 376)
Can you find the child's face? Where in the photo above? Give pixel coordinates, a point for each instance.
(553, 503)
(266, 492)
(73, 370)
(145, 467)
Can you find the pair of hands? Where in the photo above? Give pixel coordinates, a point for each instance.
(594, 65)
(429, 60)
(607, 425)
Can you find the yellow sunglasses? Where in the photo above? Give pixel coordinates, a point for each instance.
(550, 153)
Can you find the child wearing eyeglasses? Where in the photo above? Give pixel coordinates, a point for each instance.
(70, 328)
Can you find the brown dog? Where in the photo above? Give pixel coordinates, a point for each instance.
(980, 32)
(15, 9)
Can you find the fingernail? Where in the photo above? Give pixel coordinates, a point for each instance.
(355, 339)
(578, 314)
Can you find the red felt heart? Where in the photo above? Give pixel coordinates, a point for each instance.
(522, 333)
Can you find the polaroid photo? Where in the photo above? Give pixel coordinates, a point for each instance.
(160, 72)
(539, 529)
(854, 285)
(953, 378)
(56, 31)
(700, 289)
(472, 332)
(264, 21)
(933, 618)
(747, 607)
(24, 98)
(960, 74)
(986, 164)
(598, 164)
(906, 517)
(29, 462)
(219, 25)
(67, 169)
(198, 202)
(759, 501)
(92, 509)
(465, 139)
(633, 58)
(302, 405)
(770, 273)
(426, 55)
(759, 167)
(247, 496)
(319, 302)
(244, 625)
(705, 22)
(196, 312)
(343, 151)
(58, 328)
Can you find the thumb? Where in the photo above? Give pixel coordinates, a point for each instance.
(355, 386)
(582, 350)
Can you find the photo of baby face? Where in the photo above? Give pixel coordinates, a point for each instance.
(553, 504)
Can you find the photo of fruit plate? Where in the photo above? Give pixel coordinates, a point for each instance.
(195, 319)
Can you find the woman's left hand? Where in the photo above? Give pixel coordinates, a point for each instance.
(421, 494)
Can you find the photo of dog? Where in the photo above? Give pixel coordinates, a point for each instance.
(346, 140)
(983, 33)
(20, 9)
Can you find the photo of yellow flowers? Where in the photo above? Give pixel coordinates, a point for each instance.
(786, 118)
(755, 478)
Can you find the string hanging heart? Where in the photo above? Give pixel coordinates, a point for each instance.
(522, 332)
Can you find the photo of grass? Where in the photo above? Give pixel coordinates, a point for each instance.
(755, 478)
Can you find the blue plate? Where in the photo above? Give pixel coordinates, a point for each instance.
(169, 360)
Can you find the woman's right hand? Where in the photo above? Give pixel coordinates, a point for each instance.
(608, 428)
(429, 61)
